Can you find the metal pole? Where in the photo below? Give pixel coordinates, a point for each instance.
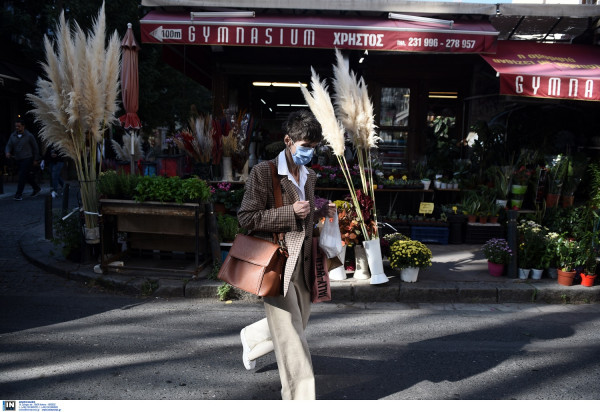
(511, 234)
(48, 217)
(65, 199)
(213, 233)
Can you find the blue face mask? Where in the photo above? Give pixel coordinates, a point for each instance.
(303, 155)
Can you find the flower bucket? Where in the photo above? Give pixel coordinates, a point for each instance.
(409, 274)
(516, 203)
(567, 201)
(566, 278)
(518, 189)
(361, 270)
(524, 273)
(373, 251)
(227, 170)
(339, 273)
(536, 273)
(495, 269)
(587, 280)
(552, 199)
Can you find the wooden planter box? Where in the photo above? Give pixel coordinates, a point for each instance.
(157, 226)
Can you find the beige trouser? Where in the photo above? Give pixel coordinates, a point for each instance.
(283, 331)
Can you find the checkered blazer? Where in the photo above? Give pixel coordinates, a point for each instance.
(258, 215)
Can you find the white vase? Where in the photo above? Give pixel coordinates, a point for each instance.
(227, 170)
(426, 184)
(252, 155)
(361, 270)
(536, 273)
(524, 273)
(375, 259)
(339, 273)
(409, 274)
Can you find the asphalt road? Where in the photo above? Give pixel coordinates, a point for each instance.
(61, 339)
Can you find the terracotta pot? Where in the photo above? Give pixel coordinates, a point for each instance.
(565, 278)
(219, 208)
(567, 201)
(552, 199)
(587, 280)
(493, 219)
(471, 218)
(483, 219)
(495, 269)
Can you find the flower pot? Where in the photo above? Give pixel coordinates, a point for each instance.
(443, 185)
(227, 170)
(92, 235)
(426, 184)
(436, 184)
(518, 189)
(587, 280)
(493, 219)
(516, 203)
(501, 202)
(219, 208)
(373, 251)
(565, 278)
(471, 218)
(495, 269)
(536, 273)
(409, 274)
(552, 199)
(567, 201)
(483, 219)
(339, 273)
(361, 270)
(524, 273)
(552, 273)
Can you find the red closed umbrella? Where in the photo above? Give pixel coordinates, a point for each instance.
(129, 81)
(130, 88)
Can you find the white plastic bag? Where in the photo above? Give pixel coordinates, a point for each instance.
(330, 239)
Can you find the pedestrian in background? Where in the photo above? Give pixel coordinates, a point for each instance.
(55, 161)
(287, 314)
(24, 148)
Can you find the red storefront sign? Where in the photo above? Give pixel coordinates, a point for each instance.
(319, 32)
(556, 71)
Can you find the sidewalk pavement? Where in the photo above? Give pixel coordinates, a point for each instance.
(458, 275)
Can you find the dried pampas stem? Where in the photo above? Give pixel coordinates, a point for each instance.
(78, 101)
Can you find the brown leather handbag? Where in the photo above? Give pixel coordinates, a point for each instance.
(256, 265)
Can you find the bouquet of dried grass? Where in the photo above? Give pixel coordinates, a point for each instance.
(123, 151)
(78, 99)
(230, 144)
(354, 109)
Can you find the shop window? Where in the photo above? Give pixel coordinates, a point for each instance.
(393, 127)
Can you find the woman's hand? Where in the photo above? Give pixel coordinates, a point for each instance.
(301, 208)
(331, 210)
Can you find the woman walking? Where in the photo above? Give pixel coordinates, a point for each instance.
(287, 315)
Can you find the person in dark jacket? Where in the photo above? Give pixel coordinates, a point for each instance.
(55, 161)
(24, 148)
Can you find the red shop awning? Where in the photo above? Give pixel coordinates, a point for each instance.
(556, 71)
(319, 32)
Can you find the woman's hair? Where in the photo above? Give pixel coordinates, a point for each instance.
(302, 125)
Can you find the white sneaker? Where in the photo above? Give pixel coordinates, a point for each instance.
(248, 364)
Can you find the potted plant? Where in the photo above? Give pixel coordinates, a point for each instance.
(531, 237)
(501, 177)
(556, 168)
(228, 227)
(498, 254)
(409, 256)
(550, 256)
(569, 258)
(224, 198)
(388, 240)
(471, 205)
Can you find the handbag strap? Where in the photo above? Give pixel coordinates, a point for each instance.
(278, 237)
